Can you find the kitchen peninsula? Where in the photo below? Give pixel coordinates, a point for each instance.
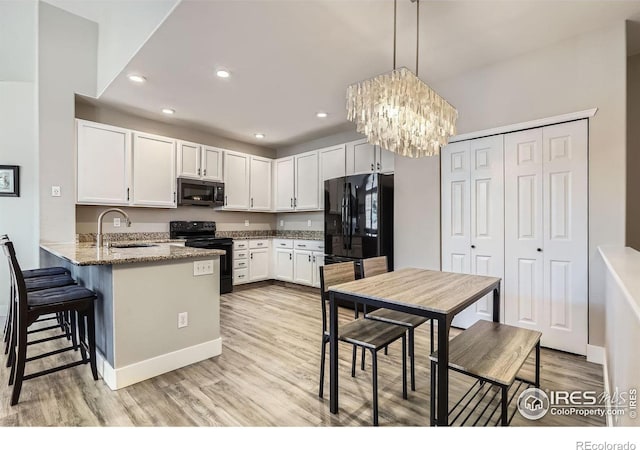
(153, 314)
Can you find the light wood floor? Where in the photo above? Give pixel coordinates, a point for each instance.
(267, 375)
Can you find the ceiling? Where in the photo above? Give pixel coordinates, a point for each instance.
(289, 59)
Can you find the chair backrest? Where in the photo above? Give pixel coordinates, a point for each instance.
(331, 275)
(374, 266)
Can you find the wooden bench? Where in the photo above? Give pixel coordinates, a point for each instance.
(490, 352)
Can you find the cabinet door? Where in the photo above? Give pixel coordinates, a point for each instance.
(456, 210)
(385, 160)
(260, 184)
(284, 183)
(487, 220)
(361, 157)
(306, 184)
(258, 264)
(523, 229)
(236, 180)
(303, 267)
(318, 261)
(211, 164)
(564, 249)
(104, 162)
(332, 165)
(283, 264)
(188, 160)
(154, 171)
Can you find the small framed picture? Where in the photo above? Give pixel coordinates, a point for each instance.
(9, 181)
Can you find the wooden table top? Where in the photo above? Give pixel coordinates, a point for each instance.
(421, 289)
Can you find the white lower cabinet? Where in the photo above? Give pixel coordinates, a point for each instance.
(318, 261)
(303, 267)
(283, 264)
(258, 264)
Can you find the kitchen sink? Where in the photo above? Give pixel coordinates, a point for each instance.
(132, 245)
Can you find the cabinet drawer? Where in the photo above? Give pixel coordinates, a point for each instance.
(242, 244)
(259, 243)
(315, 246)
(240, 264)
(283, 243)
(240, 254)
(240, 276)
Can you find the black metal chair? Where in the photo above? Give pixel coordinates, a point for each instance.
(368, 334)
(377, 266)
(28, 307)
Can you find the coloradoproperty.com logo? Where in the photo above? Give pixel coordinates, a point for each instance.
(534, 403)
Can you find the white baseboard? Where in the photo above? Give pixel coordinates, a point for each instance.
(595, 354)
(149, 368)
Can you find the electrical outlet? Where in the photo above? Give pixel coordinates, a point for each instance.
(183, 319)
(203, 268)
(55, 191)
(116, 222)
(309, 222)
(246, 223)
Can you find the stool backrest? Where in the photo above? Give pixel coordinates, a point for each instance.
(374, 266)
(331, 275)
(17, 278)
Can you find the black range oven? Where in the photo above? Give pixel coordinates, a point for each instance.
(202, 234)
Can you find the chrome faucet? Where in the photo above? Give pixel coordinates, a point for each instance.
(99, 236)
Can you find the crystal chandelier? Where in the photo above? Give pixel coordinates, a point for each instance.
(399, 112)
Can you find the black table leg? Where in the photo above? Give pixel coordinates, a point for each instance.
(443, 372)
(538, 365)
(496, 304)
(333, 353)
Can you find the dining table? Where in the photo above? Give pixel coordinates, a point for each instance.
(427, 293)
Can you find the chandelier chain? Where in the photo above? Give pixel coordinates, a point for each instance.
(395, 8)
(417, 32)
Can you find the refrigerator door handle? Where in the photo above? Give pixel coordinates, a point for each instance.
(344, 215)
(349, 218)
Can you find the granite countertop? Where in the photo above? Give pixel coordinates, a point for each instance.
(85, 254)
(88, 238)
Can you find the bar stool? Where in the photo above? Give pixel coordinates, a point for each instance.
(28, 307)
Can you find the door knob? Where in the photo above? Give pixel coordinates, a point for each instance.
(473, 246)
(539, 249)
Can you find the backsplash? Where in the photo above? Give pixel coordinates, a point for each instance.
(163, 236)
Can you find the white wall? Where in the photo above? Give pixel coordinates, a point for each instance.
(584, 72)
(67, 64)
(18, 132)
(633, 151)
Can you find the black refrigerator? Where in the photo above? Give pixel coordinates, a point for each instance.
(358, 218)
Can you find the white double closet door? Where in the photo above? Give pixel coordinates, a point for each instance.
(515, 206)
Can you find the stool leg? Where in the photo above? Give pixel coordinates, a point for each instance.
(91, 329)
(354, 355)
(74, 329)
(10, 326)
(82, 331)
(431, 332)
(374, 382)
(13, 341)
(404, 366)
(386, 349)
(19, 365)
(412, 358)
(362, 362)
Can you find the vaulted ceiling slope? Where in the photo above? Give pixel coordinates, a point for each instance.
(291, 59)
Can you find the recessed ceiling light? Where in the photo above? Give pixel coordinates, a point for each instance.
(222, 73)
(137, 78)
(259, 135)
(321, 114)
(168, 111)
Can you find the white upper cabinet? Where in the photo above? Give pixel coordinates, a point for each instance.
(362, 157)
(211, 163)
(189, 160)
(236, 180)
(104, 164)
(154, 171)
(306, 181)
(284, 181)
(260, 184)
(200, 162)
(332, 165)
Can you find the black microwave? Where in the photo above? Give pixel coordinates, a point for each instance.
(200, 193)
